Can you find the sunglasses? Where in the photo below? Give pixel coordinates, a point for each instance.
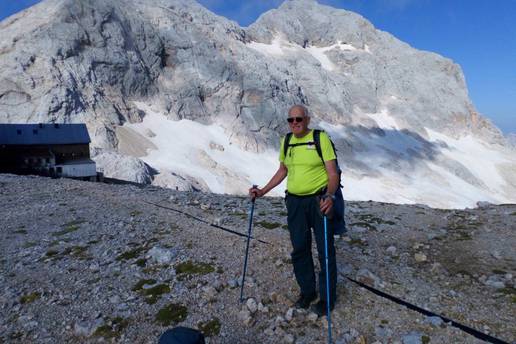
(297, 119)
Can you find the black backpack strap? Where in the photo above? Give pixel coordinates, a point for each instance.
(285, 143)
(317, 140)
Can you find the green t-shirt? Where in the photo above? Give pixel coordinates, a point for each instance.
(306, 172)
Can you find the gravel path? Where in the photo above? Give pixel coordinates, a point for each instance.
(88, 262)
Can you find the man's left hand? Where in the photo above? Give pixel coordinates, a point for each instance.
(326, 204)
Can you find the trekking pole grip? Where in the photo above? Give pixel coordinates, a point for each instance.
(254, 197)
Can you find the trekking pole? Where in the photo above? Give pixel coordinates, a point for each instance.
(247, 245)
(328, 315)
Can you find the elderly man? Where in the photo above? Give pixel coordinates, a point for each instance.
(311, 186)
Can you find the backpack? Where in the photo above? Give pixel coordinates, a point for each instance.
(338, 223)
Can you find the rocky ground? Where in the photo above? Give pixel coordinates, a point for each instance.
(93, 262)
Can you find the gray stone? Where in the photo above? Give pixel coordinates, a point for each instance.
(412, 338)
(434, 321)
(252, 306)
(367, 277)
(391, 250)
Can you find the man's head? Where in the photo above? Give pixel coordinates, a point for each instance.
(298, 120)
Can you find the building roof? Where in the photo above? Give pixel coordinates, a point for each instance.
(43, 134)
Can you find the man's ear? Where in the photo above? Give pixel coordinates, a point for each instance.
(307, 120)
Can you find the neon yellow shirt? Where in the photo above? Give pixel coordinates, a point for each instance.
(306, 172)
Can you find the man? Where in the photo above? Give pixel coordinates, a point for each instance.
(311, 186)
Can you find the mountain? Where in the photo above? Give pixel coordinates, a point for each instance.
(511, 138)
(203, 101)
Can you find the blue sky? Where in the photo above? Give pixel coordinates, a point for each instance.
(479, 35)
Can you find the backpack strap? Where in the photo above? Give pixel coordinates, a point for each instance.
(286, 143)
(317, 140)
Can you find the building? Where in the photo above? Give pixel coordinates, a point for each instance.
(57, 150)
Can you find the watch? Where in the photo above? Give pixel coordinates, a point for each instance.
(331, 196)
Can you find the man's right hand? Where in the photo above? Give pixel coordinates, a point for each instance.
(255, 192)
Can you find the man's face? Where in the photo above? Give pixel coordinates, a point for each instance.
(297, 121)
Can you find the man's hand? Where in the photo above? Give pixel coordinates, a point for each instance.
(255, 192)
(326, 204)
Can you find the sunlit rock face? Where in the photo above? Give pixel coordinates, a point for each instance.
(404, 126)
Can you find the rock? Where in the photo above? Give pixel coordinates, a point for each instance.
(420, 257)
(436, 268)
(279, 320)
(288, 338)
(252, 305)
(495, 282)
(218, 285)
(115, 299)
(434, 321)
(312, 317)
(391, 251)
(124, 167)
(160, 255)
(412, 338)
(210, 293)
(382, 332)
(219, 221)
(361, 340)
(233, 283)
(484, 204)
(496, 254)
(269, 331)
(367, 277)
(245, 316)
(289, 315)
(86, 328)
(344, 269)
(279, 299)
(216, 146)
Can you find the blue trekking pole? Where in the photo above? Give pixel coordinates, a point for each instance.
(327, 280)
(247, 246)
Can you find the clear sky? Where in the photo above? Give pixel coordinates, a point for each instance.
(479, 35)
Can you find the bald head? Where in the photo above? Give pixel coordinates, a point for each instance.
(298, 110)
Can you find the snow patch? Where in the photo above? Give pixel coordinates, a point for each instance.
(384, 120)
(280, 47)
(186, 148)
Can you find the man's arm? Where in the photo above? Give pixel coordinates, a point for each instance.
(333, 184)
(277, 178)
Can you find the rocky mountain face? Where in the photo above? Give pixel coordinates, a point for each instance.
(85, 262)
(398, 116)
